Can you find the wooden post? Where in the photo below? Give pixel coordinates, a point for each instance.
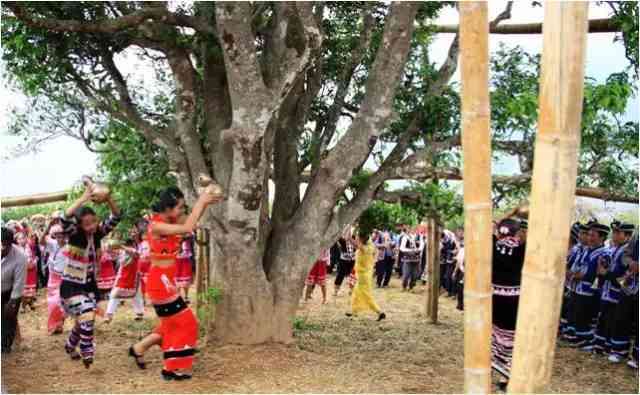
(430, 264)
(206, 257)
(433, 287)
(552, 194)
(476, 146)
(200, 285)
(435, 284)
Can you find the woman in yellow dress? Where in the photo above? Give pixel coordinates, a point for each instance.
(362, 297)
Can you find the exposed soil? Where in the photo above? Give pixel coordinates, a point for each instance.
(331, 354)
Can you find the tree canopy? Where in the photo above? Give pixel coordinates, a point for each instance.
(340, 96)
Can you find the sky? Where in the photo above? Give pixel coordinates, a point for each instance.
(62, 162)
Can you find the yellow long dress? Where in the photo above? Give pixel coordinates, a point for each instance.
(362, 297)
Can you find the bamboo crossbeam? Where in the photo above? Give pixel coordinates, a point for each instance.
(476, 150)
(551, 201)
(603, 25)
(34, 199)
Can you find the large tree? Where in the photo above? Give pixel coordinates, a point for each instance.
(251, 92)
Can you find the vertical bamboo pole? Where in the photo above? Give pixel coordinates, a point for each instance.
(476, 146)
(430, 262)
(206, 279)
(552, 193)
(199, 269)
(435, 284)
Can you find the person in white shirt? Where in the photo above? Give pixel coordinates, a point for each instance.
(14, 271)
(410, 249)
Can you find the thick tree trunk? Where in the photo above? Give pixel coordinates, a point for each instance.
(253, 309)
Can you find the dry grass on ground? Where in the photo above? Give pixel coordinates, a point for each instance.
(331, 354)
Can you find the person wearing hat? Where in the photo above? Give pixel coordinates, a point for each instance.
(507, 262)
(610, 294)
(586, 298)
(576, 250)
(583, 234)
(619, 304)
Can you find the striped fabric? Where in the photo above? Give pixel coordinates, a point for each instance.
(502, 350)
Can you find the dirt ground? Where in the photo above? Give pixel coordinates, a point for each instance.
(331, 354)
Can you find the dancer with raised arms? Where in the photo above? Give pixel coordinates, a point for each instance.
(177, 333)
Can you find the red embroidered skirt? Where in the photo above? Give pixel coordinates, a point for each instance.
(179, 331)
(107, 276)
(143, 268)
(30, 283)
(126, 284)
(318, 273)
(184, 274)
(54, 307)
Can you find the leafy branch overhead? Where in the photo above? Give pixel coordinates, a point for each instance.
(265, 97)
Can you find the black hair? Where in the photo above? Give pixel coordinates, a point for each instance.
(508, 227)
(129, 242)
(167, 199)
(83, 212)
(7, 236)
(363, 234)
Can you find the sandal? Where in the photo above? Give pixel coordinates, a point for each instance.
(141, 364)
(87, 362)
(168, 375)
(73, 354)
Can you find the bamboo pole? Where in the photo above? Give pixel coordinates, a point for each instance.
(435, 283)
(30, 200)
(476, 146)
(552, 201)
(200, 289)
(206, 252)
(430, 264)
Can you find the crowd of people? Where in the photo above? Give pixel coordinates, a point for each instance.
(87, 272)
(600, 306)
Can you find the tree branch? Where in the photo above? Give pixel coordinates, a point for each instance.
(107, 26)
(333, 114)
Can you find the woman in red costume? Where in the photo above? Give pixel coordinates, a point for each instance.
(177, 332)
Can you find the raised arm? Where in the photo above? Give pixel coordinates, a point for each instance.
(190, 223)
(86, 196)
(115, 210)
(113, 220)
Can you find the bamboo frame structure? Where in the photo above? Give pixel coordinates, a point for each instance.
(433, 290)
(430, 268)
(552, 194)
(476, 146)
(206, 279)
(30, 200)
(200, 284)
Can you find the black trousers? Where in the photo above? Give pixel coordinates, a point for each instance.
(384, 270)
(9, 322)
(451, 284)
(444, 281)
(460, 281)
(344, 269)
(43, 274)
